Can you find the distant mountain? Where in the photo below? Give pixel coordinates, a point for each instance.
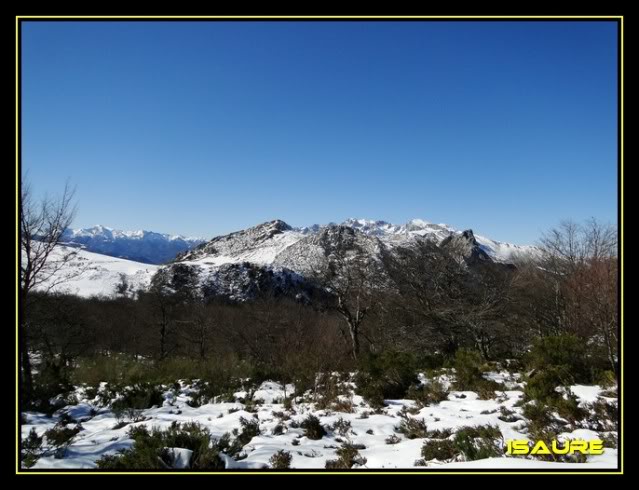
(140, 246)
(270, 258)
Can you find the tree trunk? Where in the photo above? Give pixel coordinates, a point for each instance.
(26, 378)
(354, 331)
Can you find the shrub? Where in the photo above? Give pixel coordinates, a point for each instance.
(348, 456)
(609, 439)
(478, 442)
(345, 406)
(33, 441)
(539, 417)
(250, 429)
(567, 352)
(386, 375)
(607, 379)
(428, 394)
(542, 385)
(31, 449)
(486, 389)
(137, 397)
(439, 434)
(467, 370)
(53, 379)
(138, 431)
(281, 460)
(313, 428)
(393, 439)
(61, 436)
(341, 426)
(326, 390)
(603, 416)
(150, 449)
(507, 415)
(569, 409)
(372, 393)
(440, 449)
(413, 428)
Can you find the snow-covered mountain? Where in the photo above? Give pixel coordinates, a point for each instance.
(275, 243)
(278, 258)
(401, 234)
(140, 246)
(270, 257)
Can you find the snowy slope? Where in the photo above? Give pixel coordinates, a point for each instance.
(91, 274)
(101, 434)
(259, 245)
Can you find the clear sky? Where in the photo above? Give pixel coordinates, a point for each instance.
(202, 128)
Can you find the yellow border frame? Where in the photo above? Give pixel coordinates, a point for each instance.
(325, 17)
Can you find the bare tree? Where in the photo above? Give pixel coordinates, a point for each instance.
(42, 224)
(446, 302)
(350, 276)
(581, 262)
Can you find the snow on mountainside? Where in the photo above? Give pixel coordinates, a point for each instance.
(91, 274)
(277, 244)
(401, 234)
(259, 245)
(140, 246)
(270, 256)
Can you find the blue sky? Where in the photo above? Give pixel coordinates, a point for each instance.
(202, 128)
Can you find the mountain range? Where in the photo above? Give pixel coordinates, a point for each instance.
(271, 256)
(140, 246)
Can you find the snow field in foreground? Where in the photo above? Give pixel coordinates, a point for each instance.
(99, 436)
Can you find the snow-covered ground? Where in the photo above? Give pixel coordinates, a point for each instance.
(101, 436)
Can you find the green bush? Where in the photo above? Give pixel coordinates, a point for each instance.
(61, 436)
(137, 397)
(412, 428)
(33, 441)
(543, 384)
(478, 442)
(53, 379)
(607, 379)
(386, 376)
(250, 429)
(31, 448)
(566, 352)
(348, 456)
(539, 418)
(439, 449)
(468, 372)
(281, 460)
(603, 416)
(439, 434)
(486, 389)
(149, 450)
(429, 394)
(313, 428)
(569, 409)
